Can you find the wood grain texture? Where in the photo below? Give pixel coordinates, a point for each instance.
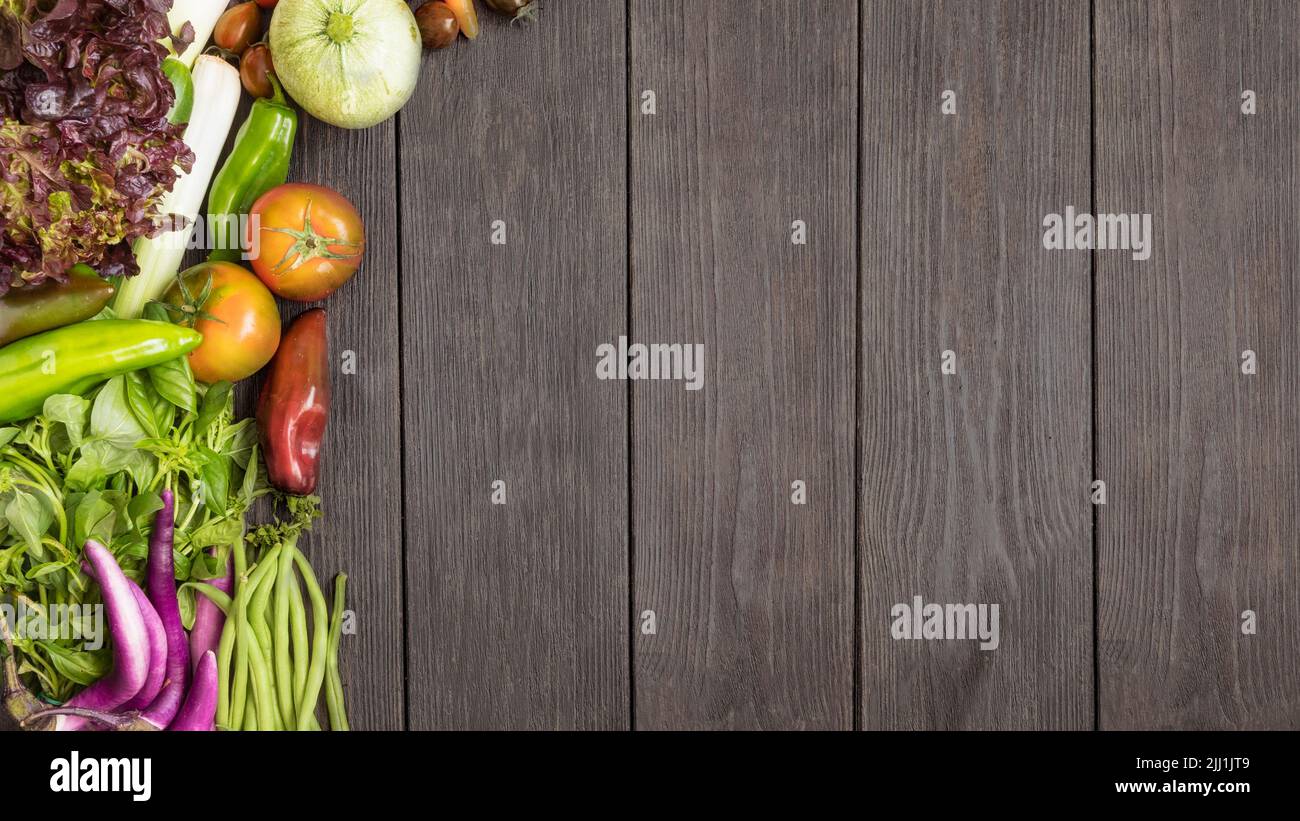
(974, 485)
(755, 128)
(516, 613)
(1204, 477)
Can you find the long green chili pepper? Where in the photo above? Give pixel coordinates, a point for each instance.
(75, 358)
(319, 645)
(334, 682)
(258, 163)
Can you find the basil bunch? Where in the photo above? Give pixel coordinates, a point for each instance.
(93, 467)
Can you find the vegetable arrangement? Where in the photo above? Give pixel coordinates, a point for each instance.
(127, 482)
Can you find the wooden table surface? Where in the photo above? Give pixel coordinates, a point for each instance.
(475, 363)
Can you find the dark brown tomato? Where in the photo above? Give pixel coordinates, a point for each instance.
(238, 27)
(254, 68)
(437, 23)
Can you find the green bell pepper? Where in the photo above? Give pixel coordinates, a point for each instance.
(75, 358)
(258, 162)
(35, 308)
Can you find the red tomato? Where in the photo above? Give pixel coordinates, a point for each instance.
(310, 241)
(238, 319)
(267, 4)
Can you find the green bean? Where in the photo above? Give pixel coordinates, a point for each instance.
(298, 626)
(334, 687)
(245, 642)
(250, 715)
(225, 652)
(258, 605)
(215, 595)
(241, 560)
(283, 664)
(239, 685)
(320, 642)
(259, 671)
(262, 640)
(239, 624)
(239, 688)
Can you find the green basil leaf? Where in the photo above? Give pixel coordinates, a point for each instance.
(238, 441)
(174, 381)
(29, 516)
(214, 476)
(101, 460)
(248, 490)
(142, 508)
(7, 435)
(216, 532)
(73, 412)
(111, 417)
(131, 548)
(139, 397)
(95, 518)
(215, 402)
(78, 665)
(37, 571)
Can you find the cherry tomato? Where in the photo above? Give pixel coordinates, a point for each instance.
(437, 24)
(267, 4)
(238, 27)
(236, 315)
(254, 67)
(309, 240)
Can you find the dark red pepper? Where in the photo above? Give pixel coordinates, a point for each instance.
(295, 404)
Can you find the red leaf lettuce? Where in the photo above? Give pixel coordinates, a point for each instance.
(86, 151)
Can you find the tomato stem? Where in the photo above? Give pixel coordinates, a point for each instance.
(309, 245)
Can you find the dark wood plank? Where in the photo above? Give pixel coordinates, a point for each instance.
(755, 128)
(1204, 477)
(361, 479)
(974, 485)
(516, 613)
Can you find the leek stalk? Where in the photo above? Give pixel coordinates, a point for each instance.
(216, 96)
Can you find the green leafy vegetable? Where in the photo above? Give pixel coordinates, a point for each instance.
(93, 467)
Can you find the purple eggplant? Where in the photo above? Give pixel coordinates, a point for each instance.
(200, 711)
(131, 651)
(209, 621)
(162, 593)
